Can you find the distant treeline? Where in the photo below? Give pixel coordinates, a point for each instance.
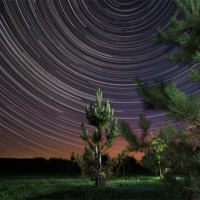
(38, 166)
(58, 166)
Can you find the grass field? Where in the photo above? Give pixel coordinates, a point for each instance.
(29, 188)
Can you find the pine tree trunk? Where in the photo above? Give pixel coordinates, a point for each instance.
(160, 170)
(97, 182)
(98, 167)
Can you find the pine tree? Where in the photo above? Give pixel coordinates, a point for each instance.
(185, 35)
(102, 117)
(178, 105)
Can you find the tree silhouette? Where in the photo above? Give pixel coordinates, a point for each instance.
(102, 118)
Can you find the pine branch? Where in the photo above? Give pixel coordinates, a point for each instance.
(132, 139)
(183, 107)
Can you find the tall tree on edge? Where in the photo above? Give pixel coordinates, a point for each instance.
(185, 35)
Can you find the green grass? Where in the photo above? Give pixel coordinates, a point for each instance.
(29, 188)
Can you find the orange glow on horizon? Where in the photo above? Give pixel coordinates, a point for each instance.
(119, 145)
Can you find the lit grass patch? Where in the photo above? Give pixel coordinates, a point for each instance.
(29, 188)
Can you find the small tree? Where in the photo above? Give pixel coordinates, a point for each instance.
(83, 165)
(155, 154)
(118, 161)
(100, 116)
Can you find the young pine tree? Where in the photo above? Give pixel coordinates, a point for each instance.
(102, 118)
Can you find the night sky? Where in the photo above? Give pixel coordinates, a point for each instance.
(56, 54)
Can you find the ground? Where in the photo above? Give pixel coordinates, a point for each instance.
(35, 187)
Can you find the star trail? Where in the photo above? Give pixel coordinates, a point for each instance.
(55, 54)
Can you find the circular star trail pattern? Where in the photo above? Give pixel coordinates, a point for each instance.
(56, 54)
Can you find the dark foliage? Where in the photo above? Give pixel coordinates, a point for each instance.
(130, 167)
(38, 166)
